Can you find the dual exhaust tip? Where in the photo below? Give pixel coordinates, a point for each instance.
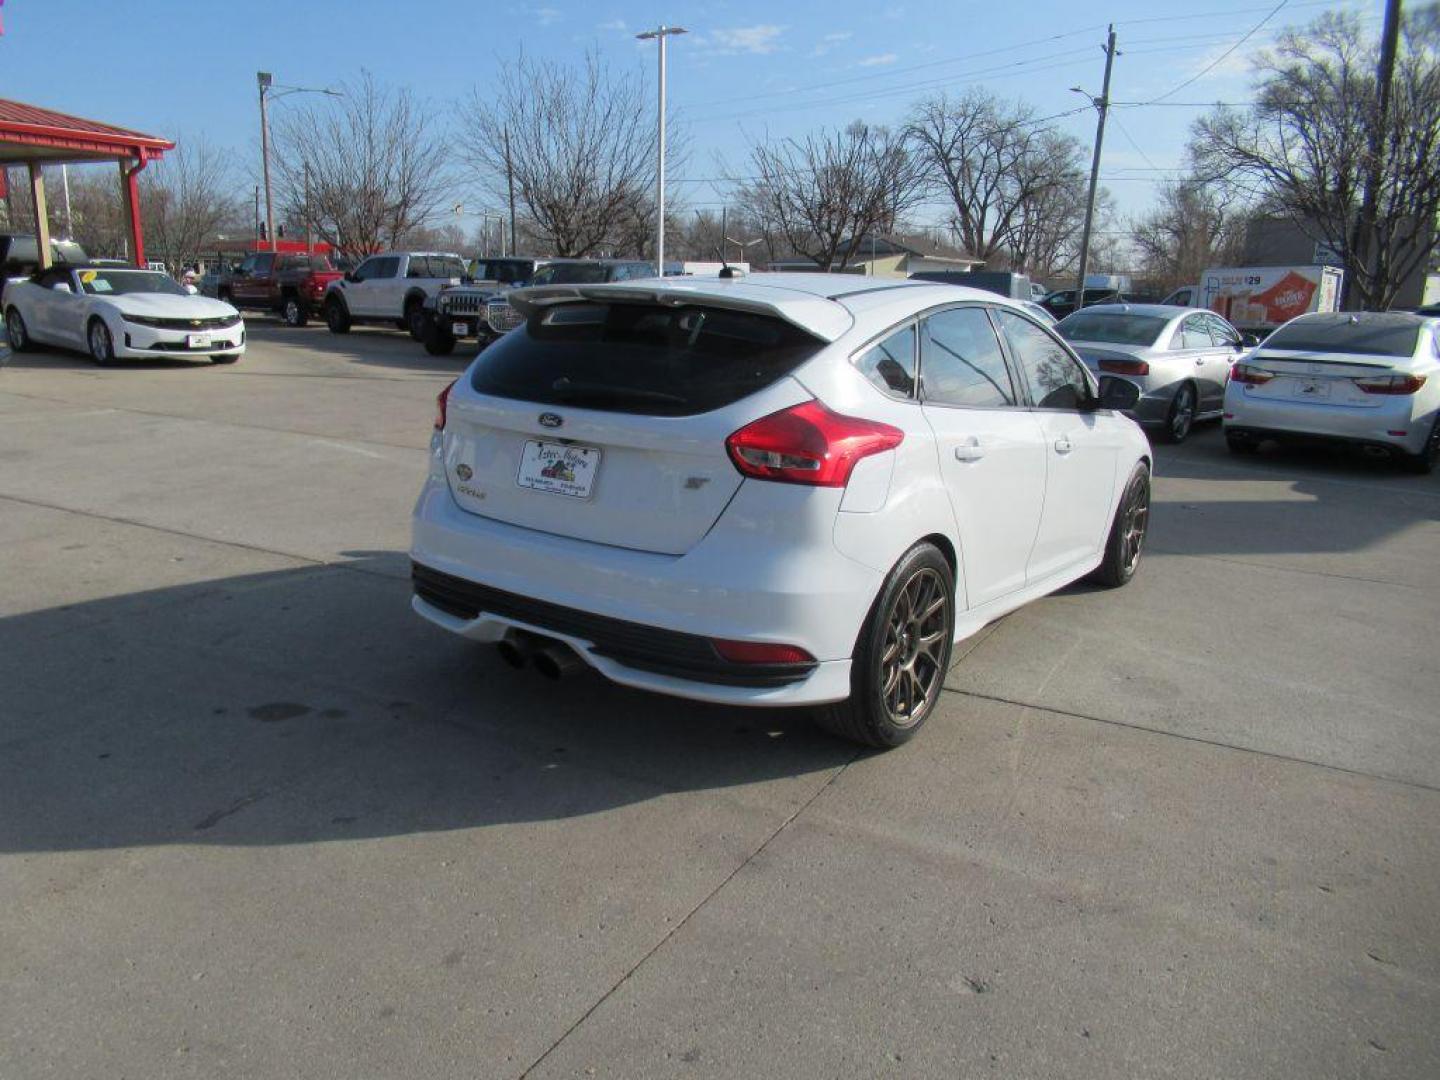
(553, 659)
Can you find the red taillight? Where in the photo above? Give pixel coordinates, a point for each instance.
(442, 403)
(1125, 367)
(1250, 375)
(808, 444)
(760, 652)
(1390, 384)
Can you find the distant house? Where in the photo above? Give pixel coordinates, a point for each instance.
(891, 257)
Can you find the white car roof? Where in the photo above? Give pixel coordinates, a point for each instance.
(825, 305)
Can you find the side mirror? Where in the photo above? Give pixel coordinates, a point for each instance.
(1118, 394)
(61, 286)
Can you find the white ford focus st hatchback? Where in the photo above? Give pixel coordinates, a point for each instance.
(776, 490)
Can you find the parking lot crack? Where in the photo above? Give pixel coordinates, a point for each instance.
(1220, 743)
(681, 923)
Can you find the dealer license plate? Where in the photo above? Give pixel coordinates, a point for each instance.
(459, 329)
(558, 468)
(198, 341)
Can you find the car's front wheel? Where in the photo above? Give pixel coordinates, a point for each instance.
(337, 316)
(102, 346)
(900, 661)
(1127, 531)
(16, 331)
(439, 341)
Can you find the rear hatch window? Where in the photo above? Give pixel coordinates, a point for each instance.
(641, 358)
(1359, 338)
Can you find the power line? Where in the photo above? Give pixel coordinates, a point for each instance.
(1222, 57)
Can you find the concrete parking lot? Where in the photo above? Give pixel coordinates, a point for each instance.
(259, 820)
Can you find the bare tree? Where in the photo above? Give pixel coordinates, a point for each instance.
(1304, 146)
(824, 193)
(1000, 170)
(185, 199)
(1194, 226)
(376, 163)
(581, 149)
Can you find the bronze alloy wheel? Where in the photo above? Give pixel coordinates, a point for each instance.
(1134, 520)
(912, 659)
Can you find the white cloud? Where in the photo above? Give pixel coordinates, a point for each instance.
(613, 24)
(547, 15)
(829, 41)
(759, 39)
(879, 60)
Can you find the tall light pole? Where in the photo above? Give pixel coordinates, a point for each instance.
(661, 32)
(1102, 105)
(268, 89)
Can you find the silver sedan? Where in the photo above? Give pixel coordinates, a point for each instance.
(1178, 358)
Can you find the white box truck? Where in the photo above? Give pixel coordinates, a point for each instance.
(1261, 298)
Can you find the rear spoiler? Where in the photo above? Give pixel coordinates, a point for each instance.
(815, 315)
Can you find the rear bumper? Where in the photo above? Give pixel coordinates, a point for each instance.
(768, 571)
(1246, 414)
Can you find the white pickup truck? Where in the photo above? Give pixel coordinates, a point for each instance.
(391, 287)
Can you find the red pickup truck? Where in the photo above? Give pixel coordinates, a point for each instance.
(292, 286)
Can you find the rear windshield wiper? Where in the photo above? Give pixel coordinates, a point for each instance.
(570, 388)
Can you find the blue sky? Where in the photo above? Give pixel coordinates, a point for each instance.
(746, 70)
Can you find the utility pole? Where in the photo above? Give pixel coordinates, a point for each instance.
(510, 183)
(1102, 103)
(264, 80)
(661, 32)
(1368, 246)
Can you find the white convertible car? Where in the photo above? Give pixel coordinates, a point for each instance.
(119, 313)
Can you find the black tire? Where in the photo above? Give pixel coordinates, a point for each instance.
(17, 332)
(439, 341)
(1181, 417)
(294, 311)
(1127, 532)
(102, 345)
(900, 655)
(414, 321)
(224, 359)
(1241, 444)
(337, 316)
(1424, 462)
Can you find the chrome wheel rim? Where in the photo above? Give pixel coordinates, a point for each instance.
(15, 329)
(1184, 412)
(98, 344)
(1133, 524)
(912, 655)
(292, 312)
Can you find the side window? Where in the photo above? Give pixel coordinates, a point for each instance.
(1057, 381)
(419, 267)
(247, 264)
(1222, 332)
(890, 364)
(961, 362)
(264, 262)
(1192, 334)
(387, 267)
(366, 270)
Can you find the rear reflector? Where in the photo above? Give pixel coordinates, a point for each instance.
(1390, 384)
(442, 404)
(808, 444)
(1250, 375)
(1125, 367)
(1397, 433)
(760, 652)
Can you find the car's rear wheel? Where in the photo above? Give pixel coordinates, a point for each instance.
(16, 331)
(903, 653)
(1181, 417)
(1425, 461)
(293, 311)
(1127, 531)
(414, 320)
(102, 346)
(337, 316)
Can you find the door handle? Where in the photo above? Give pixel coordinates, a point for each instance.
(969, 451)
(1062, 445)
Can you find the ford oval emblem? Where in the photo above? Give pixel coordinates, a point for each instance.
(550, 419)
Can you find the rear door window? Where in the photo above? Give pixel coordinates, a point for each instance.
(1223, 333)
(961, 362)
(1056, 379)
(890, 363)
(641, 358)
